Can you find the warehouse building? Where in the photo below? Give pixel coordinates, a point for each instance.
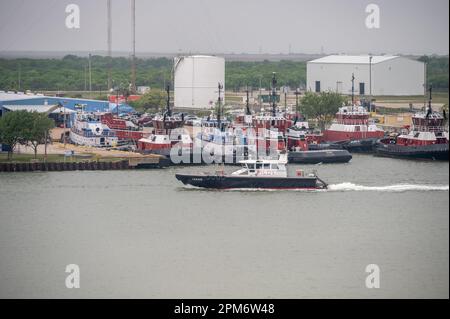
(196, 80)
(379, 75)
(11, 98)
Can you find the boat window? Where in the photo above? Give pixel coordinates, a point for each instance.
(259, 166)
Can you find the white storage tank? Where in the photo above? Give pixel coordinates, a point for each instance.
(196, 80)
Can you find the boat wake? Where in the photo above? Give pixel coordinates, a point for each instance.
(342, 187)
(390, 188)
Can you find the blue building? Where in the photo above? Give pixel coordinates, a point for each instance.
(10, 98)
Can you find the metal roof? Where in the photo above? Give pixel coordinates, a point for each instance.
(37, 108)
(8, 96)
(354, 59)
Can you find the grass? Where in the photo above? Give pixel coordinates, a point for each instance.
(57, 158)
(438, 97)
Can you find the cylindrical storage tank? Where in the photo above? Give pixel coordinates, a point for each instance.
(196, 80)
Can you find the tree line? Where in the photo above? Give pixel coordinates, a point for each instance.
(71, 73)
(26, 128)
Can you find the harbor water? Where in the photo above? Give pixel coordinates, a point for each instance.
(142, 234)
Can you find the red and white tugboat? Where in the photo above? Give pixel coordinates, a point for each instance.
(353, 127)
(168, 132)
(427, 138)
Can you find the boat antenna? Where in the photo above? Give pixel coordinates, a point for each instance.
(353, 90)
(247, 103)
(297, 93)
(430, 98)
(219, 102)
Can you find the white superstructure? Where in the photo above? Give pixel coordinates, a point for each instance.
(196, 80)
(88, 130)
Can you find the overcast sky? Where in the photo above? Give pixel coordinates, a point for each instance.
(226, 26)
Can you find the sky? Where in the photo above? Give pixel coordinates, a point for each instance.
(229, 26)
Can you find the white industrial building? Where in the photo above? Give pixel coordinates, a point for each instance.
(196, 80)
(381, 75)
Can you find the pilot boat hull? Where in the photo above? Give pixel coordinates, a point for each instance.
(251, 182)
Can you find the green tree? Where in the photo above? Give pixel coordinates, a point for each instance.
(153, 101)
(14, 128)
(322, 106)
(40, 126)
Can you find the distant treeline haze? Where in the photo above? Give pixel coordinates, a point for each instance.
(71, 73)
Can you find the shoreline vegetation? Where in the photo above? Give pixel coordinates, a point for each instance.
(70, 73)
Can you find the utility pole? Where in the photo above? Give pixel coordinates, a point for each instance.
(260, 97)
(85, 77)
(133, 56)
(64, 114)
(19, 80)
(90, 74)
(109, 36)
(117, 100)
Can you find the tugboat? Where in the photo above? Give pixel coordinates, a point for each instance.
(427, 138)
(88, 130)
(301, 152)
(352, 128)
(168, 131)
(256, 174)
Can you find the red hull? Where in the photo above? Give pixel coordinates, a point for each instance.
(335, 136)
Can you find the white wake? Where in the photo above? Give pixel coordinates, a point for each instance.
(389, 188)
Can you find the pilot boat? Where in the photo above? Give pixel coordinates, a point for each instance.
(256, 174)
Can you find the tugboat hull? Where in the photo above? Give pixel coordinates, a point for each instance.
(320, 156)
(251, 182)
(361, 146)
(433, 152)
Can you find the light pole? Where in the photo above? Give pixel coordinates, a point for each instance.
(370, 82)
(64, 114)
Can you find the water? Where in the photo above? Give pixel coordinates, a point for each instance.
(142, 234)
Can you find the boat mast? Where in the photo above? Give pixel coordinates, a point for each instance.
(353, 90)
(247, 103)
(274, 94)
(430, 110)
(168, 111)
(297, 93)
(219, 103)
(430, 97)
